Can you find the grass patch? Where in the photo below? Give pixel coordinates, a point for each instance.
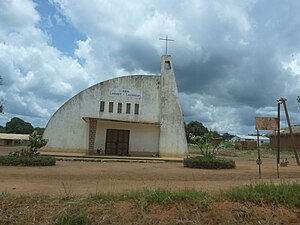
(208, 163)
(283, 194)
(71, 216)
(161, 196)
(160, 206)
(9, 160)
(3, 195)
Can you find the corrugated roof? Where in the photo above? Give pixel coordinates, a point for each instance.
(248, 137)
(6, 136)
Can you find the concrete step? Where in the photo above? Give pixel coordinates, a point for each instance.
(105, 158)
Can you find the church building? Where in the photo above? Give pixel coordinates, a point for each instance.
(136, 115)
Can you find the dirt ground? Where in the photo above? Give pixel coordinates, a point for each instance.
(69, 178)
(90, 177)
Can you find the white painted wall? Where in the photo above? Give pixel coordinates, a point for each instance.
(172, 132)
(66, 129)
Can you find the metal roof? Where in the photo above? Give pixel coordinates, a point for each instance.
(6, 136)
(248, 137)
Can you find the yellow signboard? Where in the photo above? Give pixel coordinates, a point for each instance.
(266, 123)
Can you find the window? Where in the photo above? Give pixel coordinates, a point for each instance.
(128, 106)
(102, 103)
(167, 65)
(136, 109)
(111, 107)
(119, 107)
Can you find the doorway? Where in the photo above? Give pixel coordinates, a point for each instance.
(117, 142)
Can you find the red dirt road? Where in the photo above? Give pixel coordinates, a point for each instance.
(90, 177)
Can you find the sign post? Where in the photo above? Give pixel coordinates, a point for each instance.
(263, 123)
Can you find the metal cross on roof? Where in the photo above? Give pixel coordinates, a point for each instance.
(166, 39)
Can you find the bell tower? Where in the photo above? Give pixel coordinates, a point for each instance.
(172, 133)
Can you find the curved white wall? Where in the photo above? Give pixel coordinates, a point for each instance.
(67, 130)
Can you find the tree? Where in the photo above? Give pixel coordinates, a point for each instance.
(18, 126)
(2, 129)
(35, 142)
(227, 136)
(204, 143)
(196, 128)
(215, 134)
(39, 130)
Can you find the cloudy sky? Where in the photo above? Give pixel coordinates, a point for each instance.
(232, 59)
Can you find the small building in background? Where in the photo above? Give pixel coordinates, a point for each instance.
(248, 142)
(12, 139)
(285, 138)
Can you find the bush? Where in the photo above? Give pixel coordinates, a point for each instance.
(35, 142)
(10, 160)
(208, 163)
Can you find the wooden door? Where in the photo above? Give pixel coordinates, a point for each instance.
(117, 142)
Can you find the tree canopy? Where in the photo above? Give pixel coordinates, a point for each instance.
(196, 128)
(18, 126)
(227, 136)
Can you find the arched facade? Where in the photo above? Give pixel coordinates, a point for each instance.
(135, 115)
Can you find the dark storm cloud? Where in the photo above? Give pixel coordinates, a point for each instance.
(239, 60)
(137, 54)
(249, 74)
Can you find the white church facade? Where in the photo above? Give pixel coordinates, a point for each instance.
(136, 115)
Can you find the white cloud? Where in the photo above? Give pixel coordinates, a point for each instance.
(16, 15)
(36, 76)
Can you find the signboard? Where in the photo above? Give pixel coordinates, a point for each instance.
(125, 93)
(266, 123)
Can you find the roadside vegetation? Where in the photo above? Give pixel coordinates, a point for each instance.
(208, 163)
(30, 155)
(253, 204)
(205, 154)
(9, 160)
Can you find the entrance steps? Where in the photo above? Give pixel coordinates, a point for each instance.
(106, 158)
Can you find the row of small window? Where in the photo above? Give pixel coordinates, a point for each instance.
(120, 106)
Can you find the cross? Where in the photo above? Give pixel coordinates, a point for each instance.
(166, 39)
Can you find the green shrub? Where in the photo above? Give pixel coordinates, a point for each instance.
(265, 145)
(226, 144)
(71, 216)
(35, 142)
(9, 160)
(208, 163)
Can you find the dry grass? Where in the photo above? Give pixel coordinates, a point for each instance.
(152, 207)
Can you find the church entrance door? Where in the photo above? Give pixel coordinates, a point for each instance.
(117, 142)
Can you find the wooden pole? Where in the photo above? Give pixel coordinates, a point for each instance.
(278, 134)
(258, 161)
(291, 132)
(278, 139)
